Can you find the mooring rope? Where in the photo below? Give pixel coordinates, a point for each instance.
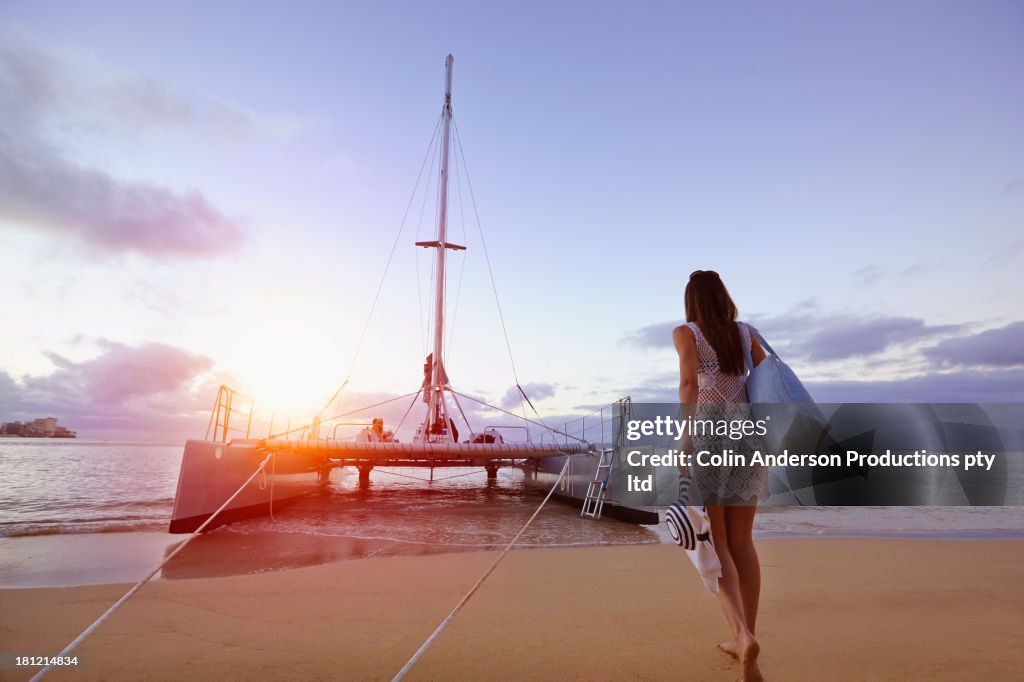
(135, 588)
(458, 607)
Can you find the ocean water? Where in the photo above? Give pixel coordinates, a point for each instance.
(65, 487)
(76, 511)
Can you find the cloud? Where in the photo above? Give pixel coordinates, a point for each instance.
(121, 373)
(838, 337)
(873, 274)
(46, 98)
(804, 332)
(915, 270)
(987, 367)
(1008, 254)
(155, 390)
(109, 215)
(661, 388)
(869, 275)
(1014, 186)
(535, 392)
(653, 336)
(1003, 386)
(151, 388)
(1002, 347)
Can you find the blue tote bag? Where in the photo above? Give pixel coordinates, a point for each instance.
(774, 390)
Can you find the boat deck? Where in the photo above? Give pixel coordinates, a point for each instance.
(422, 452)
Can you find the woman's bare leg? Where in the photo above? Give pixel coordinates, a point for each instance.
(739, 524)
(729, 596)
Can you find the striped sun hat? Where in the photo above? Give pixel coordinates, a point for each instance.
(686, 525)
(690, 528)
(683, 524)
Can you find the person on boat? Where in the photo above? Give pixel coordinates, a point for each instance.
(428, 376)
(375, 433)
(712, 385)
(428, 368)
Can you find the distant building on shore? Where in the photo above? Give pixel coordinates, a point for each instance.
(44, 427)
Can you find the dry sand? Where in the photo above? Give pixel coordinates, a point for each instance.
(832, 609)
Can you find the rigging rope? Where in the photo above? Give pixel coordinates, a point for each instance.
(462, 412)
(458, 607)
(395, 473)
(462, 263)
(387, 266)
(368, 407)
(468, 473)
(487, 258)
(513, 414)
(135, 588)
(431, 480)
(339, 416)
(424, 329)
(408, 410)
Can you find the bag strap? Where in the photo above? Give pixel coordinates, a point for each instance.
(746, 346)
(760, 339)
(745, 340)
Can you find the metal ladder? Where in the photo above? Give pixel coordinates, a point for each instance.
(593, 503)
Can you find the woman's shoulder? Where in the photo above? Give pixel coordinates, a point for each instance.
(684, 330)
(683, 333)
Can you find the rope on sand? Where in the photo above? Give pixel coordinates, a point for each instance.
(135, 588)
(458, 607)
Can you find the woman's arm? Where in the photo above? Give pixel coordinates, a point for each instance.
(686, 347)
(757, 353)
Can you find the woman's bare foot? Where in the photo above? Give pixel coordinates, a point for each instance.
(730, 648)
(748, 650)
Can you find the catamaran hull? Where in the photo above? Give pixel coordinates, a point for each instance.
(573, 487)
(211, 472)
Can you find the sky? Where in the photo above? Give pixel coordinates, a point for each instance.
(198, 193)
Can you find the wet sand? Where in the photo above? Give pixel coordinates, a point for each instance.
(832, 608)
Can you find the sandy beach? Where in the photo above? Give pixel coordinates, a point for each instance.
(832, 608)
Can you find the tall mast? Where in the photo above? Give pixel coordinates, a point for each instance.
(442, 225)
(435, 424)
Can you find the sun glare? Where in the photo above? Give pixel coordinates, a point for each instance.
(284, 372)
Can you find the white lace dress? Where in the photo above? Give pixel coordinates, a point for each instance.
(724, 396)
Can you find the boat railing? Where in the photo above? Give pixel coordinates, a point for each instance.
(334, 430)
(235, 415)
(502, 427)
(601, 427)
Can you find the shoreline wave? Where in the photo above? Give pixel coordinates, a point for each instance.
(657, 534)
(85, 528)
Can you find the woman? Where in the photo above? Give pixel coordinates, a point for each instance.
(712, 385)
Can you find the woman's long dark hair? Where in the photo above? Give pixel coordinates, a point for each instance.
(708, 304)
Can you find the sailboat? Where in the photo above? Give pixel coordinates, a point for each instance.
(297, 460)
